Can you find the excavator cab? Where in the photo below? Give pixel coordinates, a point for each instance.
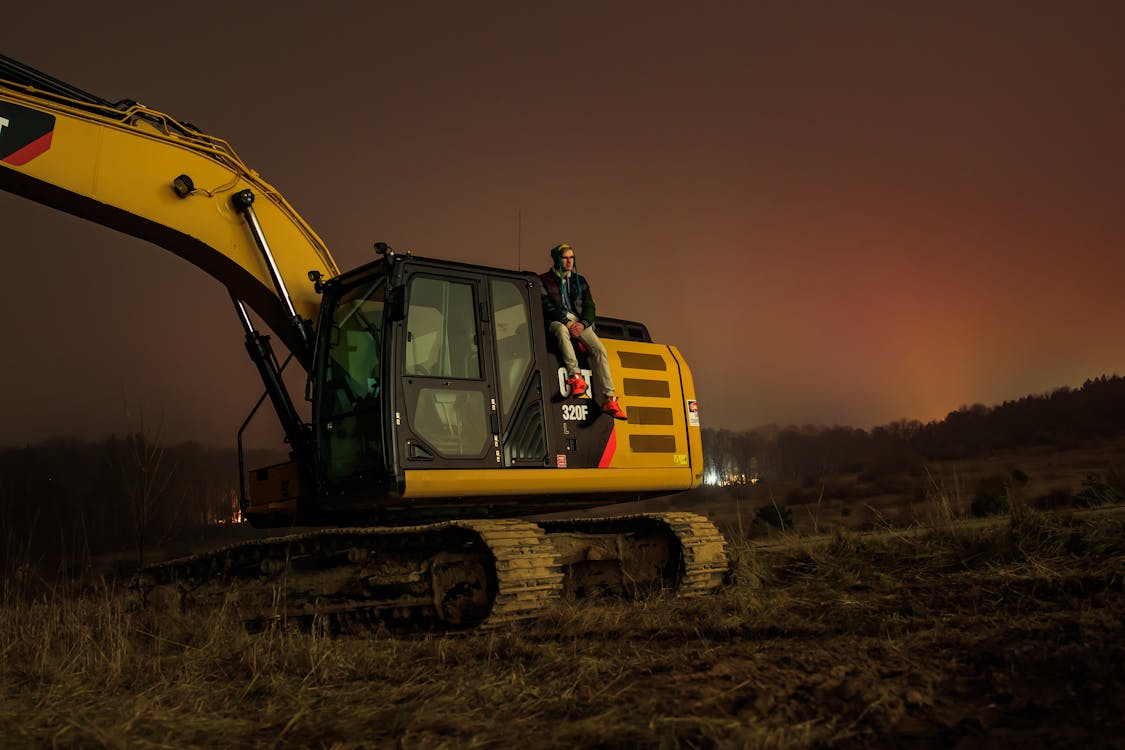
(440, 357)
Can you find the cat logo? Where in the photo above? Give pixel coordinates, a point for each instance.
(24, 133)
(564, 390)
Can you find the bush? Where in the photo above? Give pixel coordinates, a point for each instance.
(778, 516)
(991, 498)
(1101, 490)
(989, 505)
(1055, 499)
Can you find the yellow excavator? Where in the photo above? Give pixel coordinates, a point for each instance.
(439, 410)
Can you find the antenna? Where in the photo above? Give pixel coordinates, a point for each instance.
(519, 239)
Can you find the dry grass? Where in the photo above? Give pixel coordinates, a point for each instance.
(999, 634)
(1052, 476)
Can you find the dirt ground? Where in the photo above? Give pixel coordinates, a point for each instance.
(1006, 636)
(1003, 658)
(1001, 635)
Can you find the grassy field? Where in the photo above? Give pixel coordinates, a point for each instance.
(952, 636)
(1037, 477)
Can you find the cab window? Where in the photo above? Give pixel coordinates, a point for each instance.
(441, 339)
(513, 339)
(350, 417)
(441, 343)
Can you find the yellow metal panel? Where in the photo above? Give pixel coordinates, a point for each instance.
(652, 443)
(647, 415)
(125, 162)
(426, 483)
(641, 361)
(679, 465)
(695, 437)
(655, 368)
(273, 488)
(646, 387)
(59, 165)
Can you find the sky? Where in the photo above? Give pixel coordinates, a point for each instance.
(840, 213)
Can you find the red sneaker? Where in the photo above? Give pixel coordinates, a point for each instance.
(613, 409)
(576, 385)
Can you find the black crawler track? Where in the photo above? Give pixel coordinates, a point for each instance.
(455, 575)
(681, 552)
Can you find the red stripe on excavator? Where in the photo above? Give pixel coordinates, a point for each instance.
(30, 151)
(610, 449)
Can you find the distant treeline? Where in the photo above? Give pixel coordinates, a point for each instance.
(64, 501)
(1064, 417)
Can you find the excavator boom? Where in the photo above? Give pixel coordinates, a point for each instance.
(144, 173)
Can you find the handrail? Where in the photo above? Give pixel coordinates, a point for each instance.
(243, 500)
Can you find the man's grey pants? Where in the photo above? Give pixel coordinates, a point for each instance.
(593, 345)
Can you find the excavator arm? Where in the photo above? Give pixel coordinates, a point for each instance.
(145, 174)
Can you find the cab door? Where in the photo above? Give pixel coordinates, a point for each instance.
(447, 411)
(516, 319)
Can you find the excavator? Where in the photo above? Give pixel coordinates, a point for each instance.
(440, 416)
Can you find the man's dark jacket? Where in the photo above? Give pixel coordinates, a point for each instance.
(581, 302)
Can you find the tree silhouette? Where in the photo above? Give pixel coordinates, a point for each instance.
(1064, 417)
(139, 460)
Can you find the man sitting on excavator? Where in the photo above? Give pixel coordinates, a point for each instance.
(568, 308)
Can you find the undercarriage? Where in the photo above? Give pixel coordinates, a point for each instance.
(457, 575)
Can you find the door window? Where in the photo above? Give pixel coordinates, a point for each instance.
(513, 339)
(441, 339)
(442, 346)
(351, 437)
